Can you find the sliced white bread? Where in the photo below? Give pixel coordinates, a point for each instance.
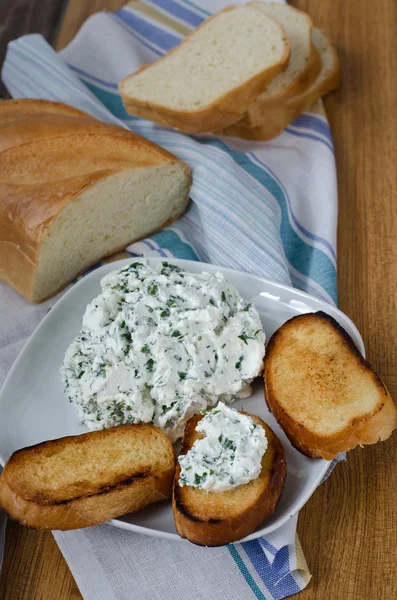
(276, 119)
(74, 189)
(212, 77)
(84, 480)
(279, 117)
(303, 67)
(322, 392)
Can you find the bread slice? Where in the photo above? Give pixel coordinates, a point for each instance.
(218, 518)
(87, 479)
(303, 67)
(211, 78)
(73, 190)
(322, 392)
(279, 117)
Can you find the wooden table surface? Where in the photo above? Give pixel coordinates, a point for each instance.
(348, 528)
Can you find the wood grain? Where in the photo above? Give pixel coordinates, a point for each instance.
(348, 528)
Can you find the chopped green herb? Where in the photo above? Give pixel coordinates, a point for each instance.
(80, 375)
(238, 363)
(168, 267)
(150, 365)
(212, 301)
(226, 443)
(127, 336)
(198, 479)
(244, 338)
(182, 376)
(153, 289)
(223, 296)
(165, 313)
(176, 333)
(145, 349)
(171, 302)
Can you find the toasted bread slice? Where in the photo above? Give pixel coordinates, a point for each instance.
(210, 79)
(83, 480)
(279, 117)
(218, 518)
(322, 392)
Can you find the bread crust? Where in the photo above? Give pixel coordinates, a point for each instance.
(257, 113)
(228, 108)
(84, 503)
(367, 429)
(220, 526)
(276, 119)
(31, 201)
(15, 109)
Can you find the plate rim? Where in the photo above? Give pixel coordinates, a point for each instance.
(329, 308)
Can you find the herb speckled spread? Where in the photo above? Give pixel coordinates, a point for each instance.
(160, 344)
(230, 453)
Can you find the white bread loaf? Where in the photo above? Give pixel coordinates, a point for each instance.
(303, 67)
(211, 78)
(281, 116)
(74, 189)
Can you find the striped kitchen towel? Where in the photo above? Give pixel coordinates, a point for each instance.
(269, 208)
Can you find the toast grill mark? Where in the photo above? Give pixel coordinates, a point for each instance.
(102, 490)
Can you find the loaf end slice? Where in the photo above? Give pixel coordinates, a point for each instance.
(84, 480)
(218, 518)
(303, 67)
(210, 79)
(275, 120)
(322, 392)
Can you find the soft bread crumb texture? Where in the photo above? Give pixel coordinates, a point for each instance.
(75, 189)
(319, 381)
(230, 49)
(298, 26)
(121, 208)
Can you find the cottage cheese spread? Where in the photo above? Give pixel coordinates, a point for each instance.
(160, 344)
(229, 454)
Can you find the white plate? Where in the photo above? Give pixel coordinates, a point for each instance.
(33, 407)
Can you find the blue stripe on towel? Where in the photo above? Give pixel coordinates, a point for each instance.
(306, 232)
(276, 577)
(113, 86)
(179, 11)
(245, 573)
(112, 101)
(171, 241)
(309, 136)
(196, 7)
(161, 38)
(301, 256)
(315, 123)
